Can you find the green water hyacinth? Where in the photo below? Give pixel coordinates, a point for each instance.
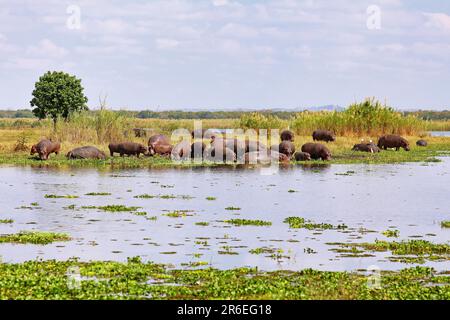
(136, 280)
(34, 237)
(246, 222)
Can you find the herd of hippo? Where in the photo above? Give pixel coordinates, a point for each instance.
(228, 150)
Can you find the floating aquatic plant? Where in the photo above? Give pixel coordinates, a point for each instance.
(34, 237)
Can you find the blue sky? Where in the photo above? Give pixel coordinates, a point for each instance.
(227, 54)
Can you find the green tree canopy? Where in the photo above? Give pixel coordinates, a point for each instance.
(58, 94)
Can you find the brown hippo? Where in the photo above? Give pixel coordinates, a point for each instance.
(44, 148)
(393, 141)
(422, 143)
(202, 133)
(317, 151)
(287, 148)
(366, 147)
(159, 144)
(302, 156)
(86, 153)
(218, 154)
(323, 135)
(238, 146)
(181, 151)
(264, 157)
(127, 148)
(197, 150)
(140, 133)
(254, 145)
(287, 135)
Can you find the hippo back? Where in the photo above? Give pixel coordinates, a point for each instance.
(287, 135)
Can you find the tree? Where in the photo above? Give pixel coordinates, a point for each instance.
(58, 94)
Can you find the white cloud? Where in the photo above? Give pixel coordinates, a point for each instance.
(220, 3)
(438, 20)
(167, 43)
(238, 30)
(47, 48)
(5, 46)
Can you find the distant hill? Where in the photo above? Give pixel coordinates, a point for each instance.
(326, 108)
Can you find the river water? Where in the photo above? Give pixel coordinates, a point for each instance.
(411, 198)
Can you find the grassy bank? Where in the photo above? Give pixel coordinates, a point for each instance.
(138, 280)
(341, 151)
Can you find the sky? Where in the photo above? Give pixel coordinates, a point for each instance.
(229, 54)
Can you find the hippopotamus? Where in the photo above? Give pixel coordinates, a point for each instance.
(393, 141)
(197, 150)
(220, 154)
(323, 135)
(287, 135)
(287, 148)
(254, 145)
(44, 148)
(264, 157)
(202, 133)
(181, 151)
(139, 132)
(86, 153)
(317, 151)
(238, 146)
(159, 144)
(128, 148)
(422, 143)
(366, 147)
(302, 156)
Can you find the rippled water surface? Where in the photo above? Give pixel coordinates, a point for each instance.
(413, 198)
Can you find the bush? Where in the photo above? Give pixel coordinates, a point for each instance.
(257, 120)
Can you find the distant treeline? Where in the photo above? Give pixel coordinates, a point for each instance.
(188, 115)
(16, 114)
(431, 115)
(174, 115)
(208, 114)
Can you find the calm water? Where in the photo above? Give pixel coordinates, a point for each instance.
(413, 198)
(440, 133)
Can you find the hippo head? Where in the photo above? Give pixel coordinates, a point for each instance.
(43, 154)
(145, 150)
(326, 155)
(150, 151)
(283, 158)
(333, 137)
(33, 150)
(405, 145)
